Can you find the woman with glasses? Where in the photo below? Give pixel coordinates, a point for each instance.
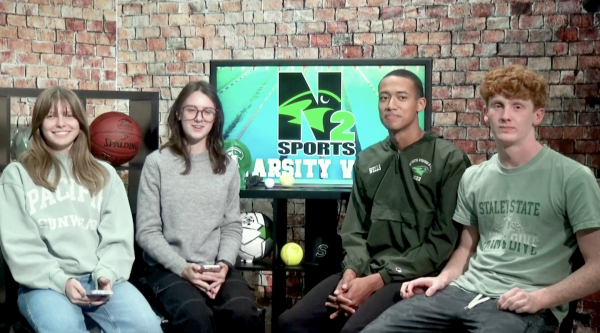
(188, 217)
(66, 228)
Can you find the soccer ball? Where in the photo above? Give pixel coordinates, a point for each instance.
(256, 236)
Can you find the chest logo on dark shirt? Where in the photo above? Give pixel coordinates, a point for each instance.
(419, 168)
(375, 168)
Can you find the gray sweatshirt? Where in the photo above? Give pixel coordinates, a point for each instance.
(193, 218)
(49, 237)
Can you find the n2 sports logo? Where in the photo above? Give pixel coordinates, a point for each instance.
(329, 124)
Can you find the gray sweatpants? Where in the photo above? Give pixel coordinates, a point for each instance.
(445, 312)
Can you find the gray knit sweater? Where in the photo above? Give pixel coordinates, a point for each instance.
(193, 218)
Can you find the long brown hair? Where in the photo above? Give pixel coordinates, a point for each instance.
(40, 161)
(178, 142)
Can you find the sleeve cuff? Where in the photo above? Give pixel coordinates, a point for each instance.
(59, 280)
(227, 258)
(346, 265)
(178, 267)
(104, 272)
(464, 221)
(586, 225)
(226, 263)
(385, 276)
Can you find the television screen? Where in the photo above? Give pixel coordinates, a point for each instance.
(310, 118)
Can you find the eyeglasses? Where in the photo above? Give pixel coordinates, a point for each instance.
(190, 113)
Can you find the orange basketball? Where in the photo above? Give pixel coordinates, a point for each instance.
(116, 138)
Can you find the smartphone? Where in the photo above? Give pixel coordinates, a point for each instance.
(211, 268)
(98, 294)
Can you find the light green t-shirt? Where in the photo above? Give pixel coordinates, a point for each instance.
(527, 219)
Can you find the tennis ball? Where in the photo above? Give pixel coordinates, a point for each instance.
(291, 254)
(286, 179)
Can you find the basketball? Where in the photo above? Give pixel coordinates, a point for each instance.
(116, 138)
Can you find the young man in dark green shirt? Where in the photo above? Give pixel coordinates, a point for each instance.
(398, 225)
(524, 213)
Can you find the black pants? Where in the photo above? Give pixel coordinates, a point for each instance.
(191, 310)
(311, 314)
(445, 312)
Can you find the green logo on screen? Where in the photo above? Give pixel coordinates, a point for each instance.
(320, 109)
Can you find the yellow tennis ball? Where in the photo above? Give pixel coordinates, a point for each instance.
(291, 254)
(286, 179)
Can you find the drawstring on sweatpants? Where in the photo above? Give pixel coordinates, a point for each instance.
(476, 301)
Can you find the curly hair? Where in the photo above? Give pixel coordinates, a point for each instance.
(515, 82)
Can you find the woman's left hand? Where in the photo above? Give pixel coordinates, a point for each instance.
(220, 276)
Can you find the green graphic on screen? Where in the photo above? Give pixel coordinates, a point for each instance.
(311, 121)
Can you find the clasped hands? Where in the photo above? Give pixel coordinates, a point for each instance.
(351, 292)
(208, 282)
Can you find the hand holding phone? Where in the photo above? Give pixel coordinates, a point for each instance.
(95, 295)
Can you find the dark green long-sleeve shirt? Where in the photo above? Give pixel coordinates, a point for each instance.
(399, 218)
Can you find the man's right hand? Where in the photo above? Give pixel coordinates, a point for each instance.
(427, 285)
(342, 286)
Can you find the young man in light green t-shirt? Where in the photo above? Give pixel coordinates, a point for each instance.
(524, 212)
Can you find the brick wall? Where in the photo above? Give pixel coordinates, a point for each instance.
(162, 45)
(45, 43)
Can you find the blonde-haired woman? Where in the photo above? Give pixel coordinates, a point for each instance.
(66, 228)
